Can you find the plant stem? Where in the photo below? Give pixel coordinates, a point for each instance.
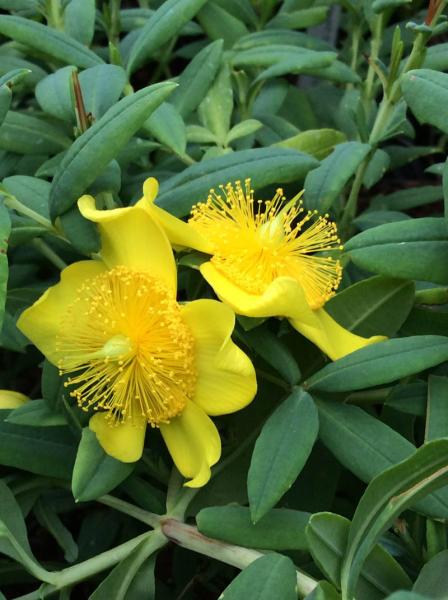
(86, 569)
(14, 204)
(46, 251)
(144, 516)
(189, 537)
(375, 47)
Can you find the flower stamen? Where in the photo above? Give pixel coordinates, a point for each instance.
(127, 349)
(255, 242)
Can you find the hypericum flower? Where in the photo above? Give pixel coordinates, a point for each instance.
(267, 259)
(10, 399)
(136, 356)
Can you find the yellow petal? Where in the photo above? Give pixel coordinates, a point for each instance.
(131, 237)
(179, 233)
(284, 297)
(43, 320)
(279, 299)
(329, 336)
(11, 399)
(226, 380)
(124, 441)
(194, 444)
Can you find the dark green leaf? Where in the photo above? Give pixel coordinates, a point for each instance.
(380, 363)
(264, 166)
(196, 79)
(324, 184)
(327, 535)
(164, 24)
(370, 447)
(94, 149)
(375, 306)
(95, 472)
(56, 44)
(432, 581)
(279, 529)
(281, 451)
(271, 576)
(414, 249)
(386, 497)
(26, 134)
(426, 93)
(437, 408)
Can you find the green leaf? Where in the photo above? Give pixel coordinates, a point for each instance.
(374, 218)
(380, 5)
(317, 142)
(274, 352)
(323, 591)
(375, 306)
(327, 535)
(81, 233)
(264, 166)
(413, 249)
(219, 24)
(279, 529)
(95, 472)
(41, 450)
(53, 94)
(304, 62)
(93, 150)
(408, 198)
(426, 93)
(12, 518)
(370, 447)
(163, 26)
(36, 413)
(56, 44)
(26, 134)
(381, 363)
(30, 191)
(299, 19)
(277, 54)
(432, 580)
(168, 127)
(242, 129)
(377, 167)
(79, 20)
(437, 409)
(118, 582)
(271, 576)
(101, 87)
(406, 596)
(196, 79)
(389, 494)
(281, 451)
(324, 184)
(5, 102)
(5, 228)
(215, 110)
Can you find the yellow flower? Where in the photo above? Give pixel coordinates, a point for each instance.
(135, 355)
(266, 259)
(10, 399)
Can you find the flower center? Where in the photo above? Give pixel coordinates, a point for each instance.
(255, 242)
(128, 350)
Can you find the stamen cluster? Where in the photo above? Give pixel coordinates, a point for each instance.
(133, 354)
(255, 242)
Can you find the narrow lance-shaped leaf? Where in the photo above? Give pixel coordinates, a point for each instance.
(164, 24)
(93, 150)
(386, 497)
(56, 44)
(281, 451)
